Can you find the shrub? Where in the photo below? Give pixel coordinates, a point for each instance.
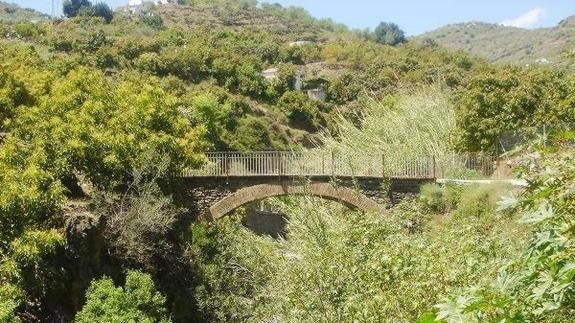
(103, 137)
(251, 134)
(337, 265)
(153, 21)
(479, 201)
(432, 196)
(537, 285)
(137, 301)
(302, 112)
(100, 9)
(138, 221)
(400, 127)
(11, 297)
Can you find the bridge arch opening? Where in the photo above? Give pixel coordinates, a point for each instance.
(344, 195)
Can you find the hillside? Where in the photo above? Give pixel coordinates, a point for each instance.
(101, 114)
(11, 13)
(292, 23)
(276, 69)
(508, 44)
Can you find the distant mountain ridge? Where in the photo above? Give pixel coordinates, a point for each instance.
(509, 44)
(12, 13)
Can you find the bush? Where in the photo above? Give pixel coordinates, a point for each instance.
(98, 10)
(538, 285)
(432, 196)
(153, 21)
(138, 222)
(251, 134)
(441, 198)
(479, 201)
(89, 124)
(338, 266)
(11, 297)
(137, 301)
(302, 112)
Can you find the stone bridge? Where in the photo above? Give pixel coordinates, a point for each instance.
(367, 182)
(215, 197)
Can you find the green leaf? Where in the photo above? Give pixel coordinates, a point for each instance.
(507, 202)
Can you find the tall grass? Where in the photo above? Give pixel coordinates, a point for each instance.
(405, 126)
(339, 265)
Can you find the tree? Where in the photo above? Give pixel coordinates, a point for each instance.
(137, 301)
(71, 8)
(389, 34)
(101, 9)
(91, 125)
(510, 102)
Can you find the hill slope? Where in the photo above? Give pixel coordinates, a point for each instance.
(270, 77)
(11, 13)
(508, 44)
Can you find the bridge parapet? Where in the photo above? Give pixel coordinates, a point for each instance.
(321, 163)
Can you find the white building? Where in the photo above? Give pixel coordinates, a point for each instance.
(135, 7)
(318, 94)
(270, 74)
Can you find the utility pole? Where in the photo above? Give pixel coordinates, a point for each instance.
(53, 11)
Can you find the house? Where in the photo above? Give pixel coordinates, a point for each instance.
(311, 84)
(270, 74)
(299, 43)
(318, 94)
(135, 7)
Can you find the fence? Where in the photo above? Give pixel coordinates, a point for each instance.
(320, 163)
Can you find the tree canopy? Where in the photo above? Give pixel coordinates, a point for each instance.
(389, 34)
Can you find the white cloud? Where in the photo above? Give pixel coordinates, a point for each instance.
(526, 20)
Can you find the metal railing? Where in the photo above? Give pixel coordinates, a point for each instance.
(320, 163)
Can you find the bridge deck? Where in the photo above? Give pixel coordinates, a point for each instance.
(320, 163)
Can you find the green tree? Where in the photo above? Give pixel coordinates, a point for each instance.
(72, 8)
(100, 9)
(91, 125)
(389, 34)
(13, 93)
(510, 100)
(137, 301)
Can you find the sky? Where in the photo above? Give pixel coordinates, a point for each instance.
(413, 16)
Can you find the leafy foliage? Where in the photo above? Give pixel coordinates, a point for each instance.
(115, 102)
(536, 285)
(102, 128)
(71, 8)
(338, 265)
(137, 301)
(498, 102)
(421, 124)
(389, 34)
(139, 220)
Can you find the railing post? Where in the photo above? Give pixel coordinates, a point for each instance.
(383, 165)
(332, 164)
(226, 165)
(281, 164)
(434, 167)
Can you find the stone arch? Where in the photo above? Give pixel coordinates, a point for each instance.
(344, 195)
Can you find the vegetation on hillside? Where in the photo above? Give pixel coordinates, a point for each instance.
(337, 265)
(542, 46)
(11, 13)
(98, 116)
